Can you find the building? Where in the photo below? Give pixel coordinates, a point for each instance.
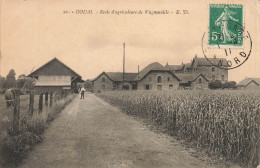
(202, 66)
(153, 77)
(156, 77)
(194, 75)
(249, 84)
(108, 81)
(55, 76)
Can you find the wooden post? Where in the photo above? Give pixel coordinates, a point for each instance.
(51, 99)
(40, 102)
(59, 95)
(46, 99)
(62, 94)
(258, 152)
(16, 113)
(31, 104)
(55, 97)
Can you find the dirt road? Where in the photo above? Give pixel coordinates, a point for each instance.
(90, 133)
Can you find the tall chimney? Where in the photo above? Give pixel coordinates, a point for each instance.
(123, 62)
(138, 72)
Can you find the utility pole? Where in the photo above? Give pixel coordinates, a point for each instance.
(123, 62)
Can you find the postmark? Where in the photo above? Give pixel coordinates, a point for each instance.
(223, 19)
(226, 44)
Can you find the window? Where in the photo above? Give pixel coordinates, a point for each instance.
(103, 80)
(223, 77)
(103, 86)
(159, 87)
(168, 79)
(213, 77)
(147, 87)
(200, 81)
(170, 86)
(213, 69)
(159, 79)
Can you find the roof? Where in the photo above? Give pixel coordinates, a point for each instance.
(214, 61)
(153, 66)
(53, 83)
(185, 78)
(174, 67)
(246, 81)
(118, 76)
(188, 65)
(200, 62)
(52, 61)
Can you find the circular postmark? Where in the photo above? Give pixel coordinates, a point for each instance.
(228, 47)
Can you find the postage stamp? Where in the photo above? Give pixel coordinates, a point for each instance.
(223, 29)
(228, 44)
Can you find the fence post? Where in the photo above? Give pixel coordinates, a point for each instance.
(16, 113)
(51, 99)
(258, 153)
(31, 104)
(55, 97)
(40, 102)
(62, 94)
(58, 95)
(46, 99)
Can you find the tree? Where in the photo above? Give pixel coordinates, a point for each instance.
(229, 85)
(24, 82)
(88, 86)
(2, 82)
(10, 79)
(215, 84)
(21, 81)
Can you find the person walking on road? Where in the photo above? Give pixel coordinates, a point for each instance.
(82, 90)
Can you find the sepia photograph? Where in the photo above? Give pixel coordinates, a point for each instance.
(129, 84)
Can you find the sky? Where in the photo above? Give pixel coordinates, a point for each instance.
(34, 32)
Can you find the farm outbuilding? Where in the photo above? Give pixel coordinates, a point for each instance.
(249, 84)
(108, 81)
(55, 76)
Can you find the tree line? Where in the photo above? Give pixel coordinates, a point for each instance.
(10, 81)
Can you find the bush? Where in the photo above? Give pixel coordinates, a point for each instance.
(215, 84)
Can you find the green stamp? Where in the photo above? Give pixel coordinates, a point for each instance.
(226, 25)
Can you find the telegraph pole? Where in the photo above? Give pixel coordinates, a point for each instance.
(123, 62)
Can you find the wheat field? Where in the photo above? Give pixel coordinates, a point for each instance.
(224, 122)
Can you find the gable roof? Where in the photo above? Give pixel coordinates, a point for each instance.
(186, 78)
(246, 81)
(118, 76)
(153, 66)
(51, 61)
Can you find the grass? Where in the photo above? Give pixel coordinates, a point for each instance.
(15, 146)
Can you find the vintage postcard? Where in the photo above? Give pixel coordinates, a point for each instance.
(129, 84)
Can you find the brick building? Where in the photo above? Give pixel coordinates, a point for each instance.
(194, 75)
(108, 81)
(55, 76)
(202, 66)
